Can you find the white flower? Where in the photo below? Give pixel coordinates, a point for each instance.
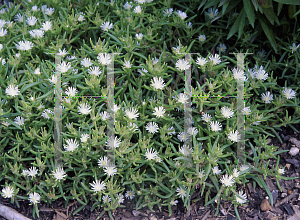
(244, 167)
(1, 47)
(152, 127)
(261, 74)
(71, 91)
(215, 126)
(59, 173)
(84, 108)
(43, 7)
(53, 79)
(154, 61)
(176, 49)
(139, 36)
(294, 47)
(98, 186)
(25, 172)
(227, 112)
(221, 48)
(104, 59)
(49, 11)
(182, 64)
(110, 170)
(46, 113)
(216, 170)
(2, 23)
(168, 12)
(157, 83)
(113, 143)
(27, 45)
(19, 18)
(227, 180)
(151, 154)
(5, 123)
(189, 25)
(34, 198)
(62, 52)
(2, 60)
(140, 1)
(234, 136)
(215, 59)
(34, 8)
(47, 26)
(182, 136)
(103, 162)
(181, 192)
(120, 198)
(106, 26)
(106, 199)
(19, 120)
(115, 108)
(289, 93)
(267, 97)
(182, 98)
(173, 202)
(84, 137)
(238, 74)
(171, 130)
(201, 61)
(211, 13)
(130, 194)
(206, 117)
(8, 192)
(262, 53)
(246, 110)
(31, 20)
(244, 198)
(137, 9)
(3, 32)
(202, 38)
(186, 150)
(86, 62)
(32, 171)
(201, 174)
(127, 64)
(80, 18)
(281, 171)
(12, 90)
(9, 24)
(64, 67)
(71, 145)
(127, 6)
(159, 112)
(132, 113)
(192, 131)
(235, 173)
(94, 71)
(181, 14)
(142, 71)
(37, 71)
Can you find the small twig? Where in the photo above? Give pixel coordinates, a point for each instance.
(11, 214)
(286, 199)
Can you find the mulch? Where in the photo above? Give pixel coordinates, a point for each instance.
(286, 202)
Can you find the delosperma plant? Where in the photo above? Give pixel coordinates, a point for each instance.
(152, 164)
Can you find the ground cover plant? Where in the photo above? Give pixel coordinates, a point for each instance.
(152, 165)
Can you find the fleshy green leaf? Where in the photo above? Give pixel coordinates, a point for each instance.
(236, 24)
(249, 9)
(268, 33)
(288, 2)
